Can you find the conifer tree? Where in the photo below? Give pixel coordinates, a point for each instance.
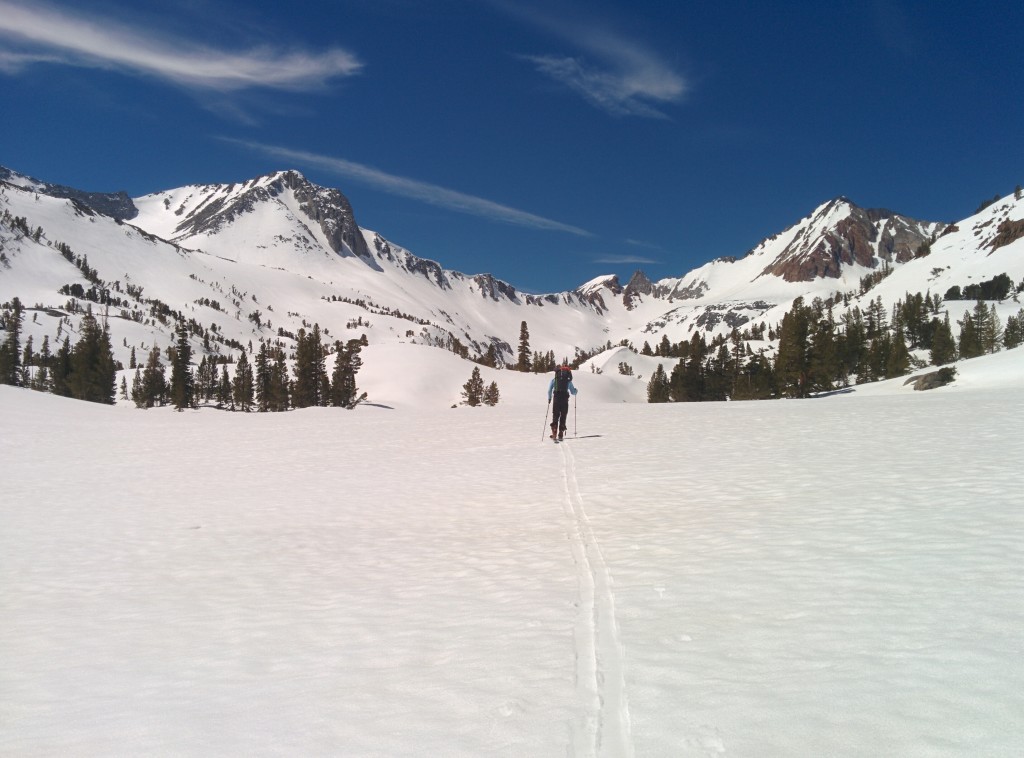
(311, 384)
(664, 347)
(61, 370)
(792, 362)
(473, 390)
(205, 379)
(1013, 334)
(225, 394)
(261, 379)
(242, 386)
(136, 392)
(524, 363)
(898, 359)
(344, 393)
(989, 327)
(969, 345)
(491, 394)
(280, 387)
(10, 349)
(658, 386)
(28, 360)
(182, 381)
(943, 349)
(154, 383)
(41, 381)
(93, 369)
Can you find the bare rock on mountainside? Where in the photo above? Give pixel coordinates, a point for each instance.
(863, 237)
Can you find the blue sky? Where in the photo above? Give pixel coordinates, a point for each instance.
(544, 142)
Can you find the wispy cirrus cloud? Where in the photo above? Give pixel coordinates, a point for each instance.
(34, 33)
(414, 189)
(614, 73)
(625, 259)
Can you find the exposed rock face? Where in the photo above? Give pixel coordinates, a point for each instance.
(638, 285)
(495, 289)
(864, 237)
(114, 204)
(428, 269)
(326, 208)
(593, 294)
(331, 210)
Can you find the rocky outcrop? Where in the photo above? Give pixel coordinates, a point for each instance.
(117, 205)
(932, 379)
(638, 285)
(821, 248)
(325, 208)
(495, 289)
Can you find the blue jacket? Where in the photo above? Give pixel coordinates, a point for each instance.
(551, 388)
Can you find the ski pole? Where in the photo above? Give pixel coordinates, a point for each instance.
(575, 426)
(546, 409)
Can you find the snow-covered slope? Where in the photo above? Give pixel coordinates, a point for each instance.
(695, 579)
(259, 260)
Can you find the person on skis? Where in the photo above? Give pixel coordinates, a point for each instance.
(559, 389)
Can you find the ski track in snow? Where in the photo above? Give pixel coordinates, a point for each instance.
(604, 728)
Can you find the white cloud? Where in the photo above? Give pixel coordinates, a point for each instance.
(624, 259)
(414, 189)
(56, 35)
(626, 79)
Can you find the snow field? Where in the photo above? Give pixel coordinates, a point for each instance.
(837, 576)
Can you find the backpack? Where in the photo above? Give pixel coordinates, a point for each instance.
(562, 378)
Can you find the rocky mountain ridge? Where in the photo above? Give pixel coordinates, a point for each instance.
(259, 260)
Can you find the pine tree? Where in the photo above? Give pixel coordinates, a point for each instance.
(658, 386)
(491, 394)
(28, 360)
(225, 395)
(1013, 334)
(182, 381)
(136, 393)
(280, 387)
(261, 379)
(311, 383)
(154, 383)
(344, 393)
(524, 363)
(989, 327)
(792, 362)
(473, 390)
(898, 360)
(41, 381)
(10, 349)
(969, 345)
(61, 370)
(242, 386)
(93, 369)
(943, 349)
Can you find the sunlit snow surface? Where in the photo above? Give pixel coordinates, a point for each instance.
(830, 577)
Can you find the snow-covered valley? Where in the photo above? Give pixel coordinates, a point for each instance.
(837, 576)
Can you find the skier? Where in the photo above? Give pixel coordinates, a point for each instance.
(560, 387)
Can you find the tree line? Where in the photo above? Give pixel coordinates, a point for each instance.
(88, 370)
(263, 385)
(85, 371)
(818, 352)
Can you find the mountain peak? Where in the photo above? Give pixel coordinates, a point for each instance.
(840, 233)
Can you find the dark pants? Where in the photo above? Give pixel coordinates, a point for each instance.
(560, 407)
